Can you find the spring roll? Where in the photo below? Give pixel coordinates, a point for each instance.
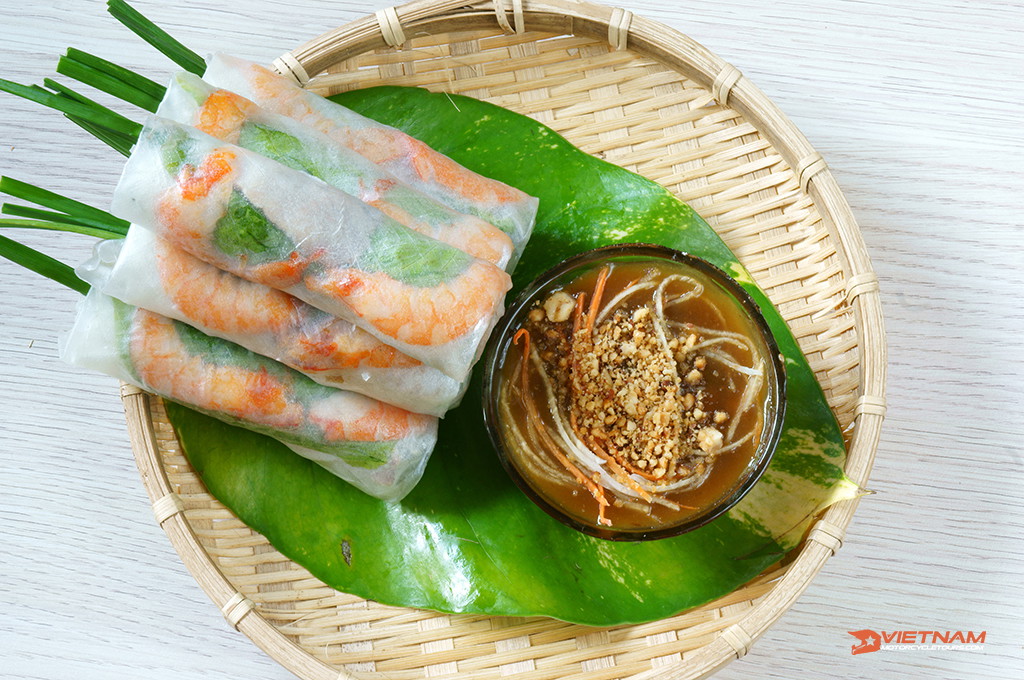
(267, 223)
(380, 449)
(403, 156)
(234, 119)
(147, 271)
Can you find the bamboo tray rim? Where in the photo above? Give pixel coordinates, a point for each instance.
(624, 31)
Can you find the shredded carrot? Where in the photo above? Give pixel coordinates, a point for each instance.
(524, 365)
(595, 303)
(577, 313)
(534, 420)
(637, 471)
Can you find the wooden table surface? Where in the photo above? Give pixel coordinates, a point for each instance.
(916, 106)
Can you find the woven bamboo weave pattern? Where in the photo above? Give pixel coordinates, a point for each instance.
(668, 123)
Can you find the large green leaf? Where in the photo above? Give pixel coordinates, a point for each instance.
(466, 540)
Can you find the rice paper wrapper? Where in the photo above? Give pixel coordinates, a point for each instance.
(378, 448)
(147, 271)
(268, 223)
(412, 161)
(232, 118)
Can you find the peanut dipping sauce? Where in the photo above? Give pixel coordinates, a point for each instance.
(641, 410)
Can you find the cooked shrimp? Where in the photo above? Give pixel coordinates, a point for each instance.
(282, 273)
(415, 315)
(167, 366)
(288, 100)
(308, 339)
(339, 344)
(381, 144)
(184, 212)
(376, 423)
(221, 301)
(217, 169)
(223, 114)
(190, 211)
(388, 146)
(469, 234)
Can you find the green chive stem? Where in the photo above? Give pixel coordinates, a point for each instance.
(127, 76)
(98, 116)
(54, 201)
(47, 219)
(106, 83)
(156, 36)
(118, 141)
(43, 264)
(115, 140)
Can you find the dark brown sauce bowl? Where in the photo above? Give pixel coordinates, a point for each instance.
(499, 348)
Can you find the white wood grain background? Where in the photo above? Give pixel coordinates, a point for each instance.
(916, 106)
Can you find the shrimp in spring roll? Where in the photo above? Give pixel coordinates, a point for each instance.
(403, 156)
(379, 448)
(147, 271)
(233, 118)
(268, 223)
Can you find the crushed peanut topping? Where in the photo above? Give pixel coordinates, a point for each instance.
(627, 393)
(631, 397)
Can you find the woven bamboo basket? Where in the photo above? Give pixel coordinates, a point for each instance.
(644, 97)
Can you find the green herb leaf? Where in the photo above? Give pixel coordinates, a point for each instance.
(466, 539)
(216, 351)
(367, 455)
(411, 258)
(176, 150)
(418, 204)
(279, 146)
(245, 231)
